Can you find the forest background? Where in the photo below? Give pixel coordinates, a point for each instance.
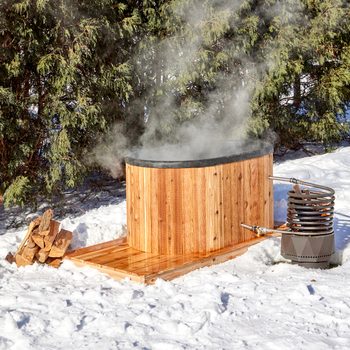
(80, 80)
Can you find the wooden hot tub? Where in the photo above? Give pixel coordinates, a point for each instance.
(196, 206)
(186, 214)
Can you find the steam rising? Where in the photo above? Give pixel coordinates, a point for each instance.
(185, 152)
(184, 131)
(110, 151)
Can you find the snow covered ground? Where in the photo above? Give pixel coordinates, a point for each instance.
(257, 301)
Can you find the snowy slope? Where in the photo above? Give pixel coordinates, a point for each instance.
(257, 301)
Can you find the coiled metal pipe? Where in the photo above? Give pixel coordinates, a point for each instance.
(310, 211)
(309, 240)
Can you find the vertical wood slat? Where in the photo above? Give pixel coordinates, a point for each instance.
(188, 196)
(172, 212)
(147, 243)
(237, 202)
(162, 204)
(197, 210)
(269, 166)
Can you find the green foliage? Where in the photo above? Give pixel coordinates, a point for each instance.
(295, 55)
(305, 95)
(18, 191)
(63, 79)
(69, 70)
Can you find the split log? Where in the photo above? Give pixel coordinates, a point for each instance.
(44, 233)
(30, 243)
(61, 244)
(54, 262)
(10, 258)
(45, 220)
(43, 242)
(34, 224)
(42, 255)
(39, 240)
(29, 253)
(50, 238)
(22, 261)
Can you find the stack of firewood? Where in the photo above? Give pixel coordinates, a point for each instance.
(44, 242)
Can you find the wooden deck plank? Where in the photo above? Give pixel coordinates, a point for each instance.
(114, 255)
(119, 261)
(139, 266)
(96, 247)
(161, 266)
(104, 251)
(112, 272)
(179, 270)
(140, 258)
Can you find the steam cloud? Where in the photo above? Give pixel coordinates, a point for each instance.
(181, 133)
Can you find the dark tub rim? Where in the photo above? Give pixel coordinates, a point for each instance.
(262, 149)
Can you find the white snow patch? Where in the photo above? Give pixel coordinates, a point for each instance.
(256, 301)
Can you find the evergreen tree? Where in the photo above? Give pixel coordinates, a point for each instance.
(307, 92)
(70, 69)
(292, 57)
(194, 58)
(64, 77)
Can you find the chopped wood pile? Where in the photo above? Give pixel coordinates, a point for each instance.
(44, 242)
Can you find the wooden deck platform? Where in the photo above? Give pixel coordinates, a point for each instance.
(117, 259)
